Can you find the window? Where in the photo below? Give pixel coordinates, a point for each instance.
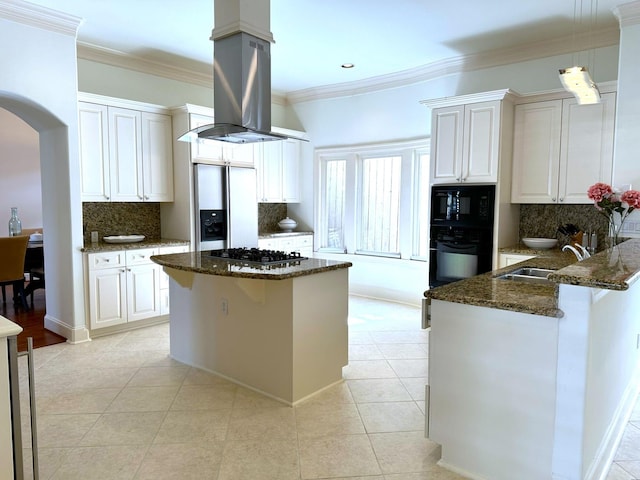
(373, 200)
(334, 198)
(379, 216)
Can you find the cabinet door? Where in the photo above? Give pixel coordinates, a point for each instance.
(143, 292)
(107, 297)
(447, 125)
(536, 152)
(270, 172)
(586, 153)
(205, 151)
(93, 126)
(291, 171)
(157, 157)
(241, 155)
(125, 155)
(481, 142)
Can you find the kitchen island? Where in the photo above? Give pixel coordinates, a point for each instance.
(536, 381)
(279, 329)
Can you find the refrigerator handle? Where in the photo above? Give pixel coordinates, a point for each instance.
(228, 206)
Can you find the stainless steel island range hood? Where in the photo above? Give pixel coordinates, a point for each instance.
(241, 86)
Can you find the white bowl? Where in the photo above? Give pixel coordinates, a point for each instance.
(540, 243)
(123, 238)
(287, 224)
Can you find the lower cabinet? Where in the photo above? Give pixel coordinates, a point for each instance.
(507, 259)
(126, 286)
(294, 243)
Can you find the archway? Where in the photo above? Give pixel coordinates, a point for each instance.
(62, 218)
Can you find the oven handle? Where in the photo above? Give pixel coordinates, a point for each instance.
(453, 246)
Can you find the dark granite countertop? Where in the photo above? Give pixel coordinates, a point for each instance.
(146, 243)
(202, 262)
(522, 249)
(612, 269)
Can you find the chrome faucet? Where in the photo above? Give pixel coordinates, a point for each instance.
(576, 253)
(585, 252)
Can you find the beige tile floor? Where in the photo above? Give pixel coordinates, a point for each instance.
(119, 408)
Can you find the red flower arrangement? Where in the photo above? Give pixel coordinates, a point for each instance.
(609, 202)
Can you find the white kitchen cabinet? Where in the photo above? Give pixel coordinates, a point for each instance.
(465, 142)
(125, 154)
(93, 125)
(123, 286)
(279, 171)
(215, 152)
(293, 243)
(561, 148)
(506, 259)
(157, 157)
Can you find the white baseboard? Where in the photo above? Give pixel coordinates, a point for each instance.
(72, 334)
(599, 468)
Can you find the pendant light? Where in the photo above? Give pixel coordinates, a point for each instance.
(576, 79)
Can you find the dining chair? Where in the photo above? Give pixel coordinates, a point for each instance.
(12, 254)
(36, 280)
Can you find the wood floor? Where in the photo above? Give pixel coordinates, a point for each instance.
(31, 321)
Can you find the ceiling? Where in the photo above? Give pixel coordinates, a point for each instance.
(314, 37)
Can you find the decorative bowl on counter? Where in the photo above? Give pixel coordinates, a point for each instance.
(123, 238)
(287, 224)
(540, 243)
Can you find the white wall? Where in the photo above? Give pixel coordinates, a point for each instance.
(626, 158)
(20, 180)
(38, 82)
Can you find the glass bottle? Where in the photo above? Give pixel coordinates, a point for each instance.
(15, 225)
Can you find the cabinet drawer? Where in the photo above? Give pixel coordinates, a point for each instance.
(173, 249)
(304, 241)
(140, 256)
(102, 260)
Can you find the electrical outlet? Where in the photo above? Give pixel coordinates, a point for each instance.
(94, 237)
(224, 306)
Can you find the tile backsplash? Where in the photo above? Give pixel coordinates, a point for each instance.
(543, 221)
(115, 218)
(111, 218)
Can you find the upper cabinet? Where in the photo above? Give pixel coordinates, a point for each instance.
(466, 136)
(125, 154)
(215, 152)
(561, 148)
(278, 173)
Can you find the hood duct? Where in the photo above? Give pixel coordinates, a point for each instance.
(241, 92)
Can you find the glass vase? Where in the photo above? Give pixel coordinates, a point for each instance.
(613, 239)
(15, 225)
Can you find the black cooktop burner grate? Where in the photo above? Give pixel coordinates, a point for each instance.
(257, 255)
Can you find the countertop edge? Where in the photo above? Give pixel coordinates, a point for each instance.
(177, 262)
(158, 242)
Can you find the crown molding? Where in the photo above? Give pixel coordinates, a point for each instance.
(116, 58)
(628, 13)
(532, 51)
(39, 17)
(602, 38)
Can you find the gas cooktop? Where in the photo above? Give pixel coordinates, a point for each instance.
(257, 256)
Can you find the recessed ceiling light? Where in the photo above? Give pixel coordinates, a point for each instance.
(348, 65)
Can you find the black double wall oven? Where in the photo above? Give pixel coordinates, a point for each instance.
(461, 232)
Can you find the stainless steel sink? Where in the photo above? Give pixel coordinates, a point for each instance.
(528, 275)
